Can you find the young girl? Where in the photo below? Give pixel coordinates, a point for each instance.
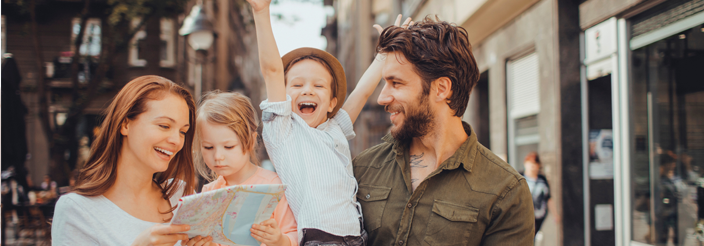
(119, 198)
(225, 152)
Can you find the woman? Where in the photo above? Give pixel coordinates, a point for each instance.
(136, 172)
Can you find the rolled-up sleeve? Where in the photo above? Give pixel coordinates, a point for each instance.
(512, 218)
(287, 222)
(344, 121)
(276, 120)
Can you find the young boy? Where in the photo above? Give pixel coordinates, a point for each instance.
(306, 129)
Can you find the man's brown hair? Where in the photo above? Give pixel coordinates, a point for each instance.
(436, 49)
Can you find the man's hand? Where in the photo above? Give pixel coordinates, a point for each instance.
(406, 24)
(268, 232)
(162, 235)
(259, 5)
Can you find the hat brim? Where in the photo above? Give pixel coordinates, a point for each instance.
(338, 72)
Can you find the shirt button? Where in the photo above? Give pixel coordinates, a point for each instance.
(400, 242)
(368, 196)
(410, 205)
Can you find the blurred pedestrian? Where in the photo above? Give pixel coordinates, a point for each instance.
(670, 194)
(48, 184)
(539, 189)
(48, 192)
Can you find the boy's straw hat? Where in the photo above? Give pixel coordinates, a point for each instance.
(338, 73)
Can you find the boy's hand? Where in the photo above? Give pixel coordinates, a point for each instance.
(268, 232)
(406, 24)
(258, 5)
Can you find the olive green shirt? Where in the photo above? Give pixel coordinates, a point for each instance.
(472, 198)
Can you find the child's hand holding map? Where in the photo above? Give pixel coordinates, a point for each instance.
(228, 214)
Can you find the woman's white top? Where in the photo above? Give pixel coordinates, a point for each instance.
(95, 220)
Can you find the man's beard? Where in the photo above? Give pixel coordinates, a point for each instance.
(417, 123)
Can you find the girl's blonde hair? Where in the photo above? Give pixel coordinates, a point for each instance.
(236, 112)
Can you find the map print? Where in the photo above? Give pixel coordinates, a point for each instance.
(227, 214)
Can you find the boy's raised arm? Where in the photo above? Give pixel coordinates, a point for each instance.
(367, 83)
(365, 87)
(269, 59)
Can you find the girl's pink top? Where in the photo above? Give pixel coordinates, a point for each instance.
(282, 214)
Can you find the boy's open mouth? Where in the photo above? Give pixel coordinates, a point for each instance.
(307, 107)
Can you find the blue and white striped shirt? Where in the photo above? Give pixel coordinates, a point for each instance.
(316, 165)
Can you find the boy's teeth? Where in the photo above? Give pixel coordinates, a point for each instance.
(164, 151)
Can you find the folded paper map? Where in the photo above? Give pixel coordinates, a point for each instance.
(227, 214)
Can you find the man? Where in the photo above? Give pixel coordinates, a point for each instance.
(431, 182)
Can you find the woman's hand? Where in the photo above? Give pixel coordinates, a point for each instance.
(162, 235)
(199, 241)
(406, 23)
(259, 5)
(268, 232)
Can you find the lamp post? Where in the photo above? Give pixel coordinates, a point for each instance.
(199, 31)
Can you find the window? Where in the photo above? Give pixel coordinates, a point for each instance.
(91, 38)
(667, 140)
(477, 113)
(523, 106)
(168, 43)
(167, 47)
(137, 45)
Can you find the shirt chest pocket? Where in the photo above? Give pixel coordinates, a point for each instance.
(373, 200)
(340, 146)
(450, 224)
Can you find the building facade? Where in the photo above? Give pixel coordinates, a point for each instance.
(154, 52)
(645, 59)
(156, 49)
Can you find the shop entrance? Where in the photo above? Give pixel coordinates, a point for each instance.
(667, 140)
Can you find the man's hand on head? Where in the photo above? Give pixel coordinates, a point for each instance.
(406, 24)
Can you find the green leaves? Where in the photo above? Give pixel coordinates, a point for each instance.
(126, 10)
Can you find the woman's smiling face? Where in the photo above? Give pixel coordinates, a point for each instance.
(154, 137)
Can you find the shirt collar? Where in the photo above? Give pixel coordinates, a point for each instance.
(323, 125)
(465, 155)
(219, 183)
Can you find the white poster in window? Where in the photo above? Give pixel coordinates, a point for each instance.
(603, 217)
(601, 152)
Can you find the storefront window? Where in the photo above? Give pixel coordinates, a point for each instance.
(667, 136)
(526, 139)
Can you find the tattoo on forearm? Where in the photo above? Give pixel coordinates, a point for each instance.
(416, 161)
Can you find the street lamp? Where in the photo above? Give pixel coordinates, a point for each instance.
(199, 31)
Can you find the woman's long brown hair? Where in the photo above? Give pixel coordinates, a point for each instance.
(100, 171)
